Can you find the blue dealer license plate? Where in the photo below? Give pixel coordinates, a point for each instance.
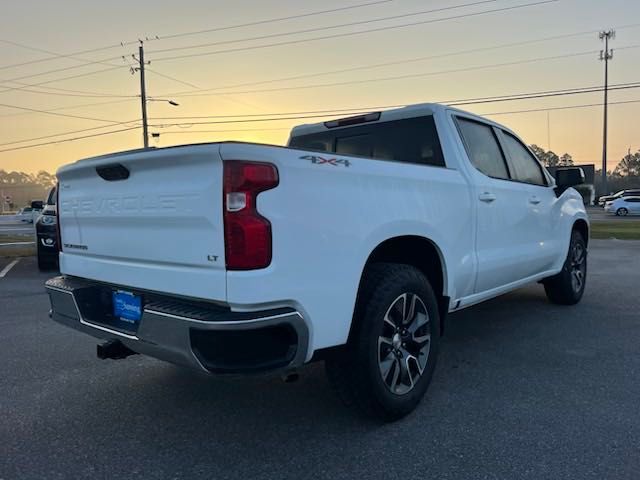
(127, 307)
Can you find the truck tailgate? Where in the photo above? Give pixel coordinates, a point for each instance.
(160, 228)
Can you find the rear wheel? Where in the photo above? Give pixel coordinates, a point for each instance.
(567, 287)
(622, 212)
(387, 365)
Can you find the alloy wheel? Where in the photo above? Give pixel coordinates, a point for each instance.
(578, 266)
(404, 343)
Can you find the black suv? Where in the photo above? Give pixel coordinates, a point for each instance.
(622, 193)
(47, 235)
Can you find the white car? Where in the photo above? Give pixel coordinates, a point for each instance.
(624, 206)
(351, 245)
(28, 214)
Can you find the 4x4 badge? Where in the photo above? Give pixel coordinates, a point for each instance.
(317, 160)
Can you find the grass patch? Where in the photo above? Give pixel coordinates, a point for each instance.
(12, 252)
(16, 238)
(620, 229)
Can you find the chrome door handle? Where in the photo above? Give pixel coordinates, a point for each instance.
(534, 200)
(487, 197)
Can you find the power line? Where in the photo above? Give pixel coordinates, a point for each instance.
(273, 20)
(183, 34)
(88, 94)
(172, 78)
(465, 101)
(68, 139)
(46, 112)
(27, 88)
(395, 62)
(105, 60)
(303, 115)
(333, 112)
(73, 132)
(361, 32)
(512, 112)
(69, 107)
(567, 107)
(394, 77)
(485, 114)
(64, 69)
(320, 29)
(86, 74)
(225, 131)
(73, 54)
(54, 55)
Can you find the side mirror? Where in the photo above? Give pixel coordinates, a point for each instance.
(568, 177)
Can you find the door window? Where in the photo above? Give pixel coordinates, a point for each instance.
(525, 167)
(483, 148)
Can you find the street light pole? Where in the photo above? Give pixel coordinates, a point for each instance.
(605, 55)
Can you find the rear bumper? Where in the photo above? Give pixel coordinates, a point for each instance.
(195, 334)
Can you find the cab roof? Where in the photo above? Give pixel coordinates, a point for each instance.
(410, 111)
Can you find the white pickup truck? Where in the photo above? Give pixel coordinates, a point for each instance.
(350, 246)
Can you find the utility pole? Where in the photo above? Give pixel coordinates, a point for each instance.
(548, 130)
(143, 97)
(606, 55)
(143, 92)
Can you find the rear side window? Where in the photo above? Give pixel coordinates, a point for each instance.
(483, 148)
(412, 140)
(525, 167)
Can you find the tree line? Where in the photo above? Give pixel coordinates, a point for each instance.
(42, 178)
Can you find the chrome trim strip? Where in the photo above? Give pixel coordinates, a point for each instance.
(89, 324)
(226, 322)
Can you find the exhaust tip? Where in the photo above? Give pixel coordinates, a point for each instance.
(290, 377)
(114, 350)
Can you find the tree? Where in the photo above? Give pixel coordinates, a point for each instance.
(566, 160)
(43, 178)
(629, 166)
(550, 159)
(538, 151)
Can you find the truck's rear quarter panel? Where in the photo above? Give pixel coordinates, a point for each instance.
(326, 221)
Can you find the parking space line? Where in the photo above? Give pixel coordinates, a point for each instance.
(6, 269)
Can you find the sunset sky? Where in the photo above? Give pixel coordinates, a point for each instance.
(44, 33)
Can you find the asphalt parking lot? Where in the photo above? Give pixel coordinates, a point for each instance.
(523, 389)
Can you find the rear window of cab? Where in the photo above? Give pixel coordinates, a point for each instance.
(411, 140)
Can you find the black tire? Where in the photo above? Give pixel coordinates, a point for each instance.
(356, 372)
(622, 212)
(565, 287)
(46, 262)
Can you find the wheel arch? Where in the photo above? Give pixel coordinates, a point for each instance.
(581, 226)
(419, 252)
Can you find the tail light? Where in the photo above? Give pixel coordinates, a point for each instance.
(247, 234)
(58, 227)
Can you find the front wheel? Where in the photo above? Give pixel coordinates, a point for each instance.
(622, 212)
(387, 365)
(567, 287)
